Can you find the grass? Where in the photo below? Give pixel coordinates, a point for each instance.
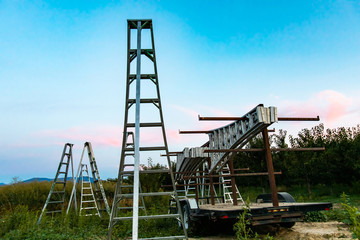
(21, 203)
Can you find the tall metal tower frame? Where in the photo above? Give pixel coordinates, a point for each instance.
(133, 150)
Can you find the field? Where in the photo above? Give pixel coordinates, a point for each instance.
(21, 203)
(307, 176)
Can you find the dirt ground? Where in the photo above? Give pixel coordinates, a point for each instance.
(301, 231)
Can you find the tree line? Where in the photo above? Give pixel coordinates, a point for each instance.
(339, 164)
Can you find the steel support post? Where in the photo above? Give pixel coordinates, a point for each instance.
(135, 222)
(270, 167)
(233, 187)
(212, 199)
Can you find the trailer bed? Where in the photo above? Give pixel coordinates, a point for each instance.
(253, 206)
(260, 213)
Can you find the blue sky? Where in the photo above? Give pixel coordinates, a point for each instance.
(63, 66)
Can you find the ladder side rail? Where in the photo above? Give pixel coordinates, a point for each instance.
(135, 222)
(93, 196)
(96, 177)
(52, 186)
(77, 178)
(68, 160)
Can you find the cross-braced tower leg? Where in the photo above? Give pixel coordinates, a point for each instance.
(131, 151)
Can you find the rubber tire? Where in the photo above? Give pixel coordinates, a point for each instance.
(287, 224)
(186, 217)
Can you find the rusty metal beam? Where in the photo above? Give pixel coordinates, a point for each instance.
(244, 118)
(233, 187)
(262, 149)
(298, 119)
(193, 132)
(221, 118)
(270, 167)
(231, 175)
(212, 193)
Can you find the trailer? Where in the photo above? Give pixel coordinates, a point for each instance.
(212, 165)
(261, 212)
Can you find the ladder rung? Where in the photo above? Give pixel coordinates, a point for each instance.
(87, 188)
(128, 165)
(169, 237)
(87, 201)
(62, 172)
(58, 192)
(87, 194)
(132, 51)
(147, 149)
(150, 217)
(86, 215)
(143, 76)
(52, 202)
(153, 124)
(126, 186)
(127, 195)
(87, 208)
(55, 211)
(147, 171)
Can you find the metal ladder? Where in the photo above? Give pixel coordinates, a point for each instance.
(99, 191)
(133, 150)
(205, 189)
(227, 188)
(87, 200)
(189, 190)
(56, 198)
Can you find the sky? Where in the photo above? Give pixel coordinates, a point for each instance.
(63, 72)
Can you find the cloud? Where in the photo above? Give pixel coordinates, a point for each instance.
(333, 107)
(99, 135)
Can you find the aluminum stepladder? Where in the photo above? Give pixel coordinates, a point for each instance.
(136, 53)
(88, 206)
(99, 192)
(227, 188)
(56, 198)
(205, 187)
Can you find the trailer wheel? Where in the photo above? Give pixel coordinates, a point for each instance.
(287, 224)
(186, 216)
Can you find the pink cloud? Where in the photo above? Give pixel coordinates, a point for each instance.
(100, 135)
(330, 105)
(338, 105)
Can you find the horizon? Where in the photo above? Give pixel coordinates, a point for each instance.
(63, 67)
